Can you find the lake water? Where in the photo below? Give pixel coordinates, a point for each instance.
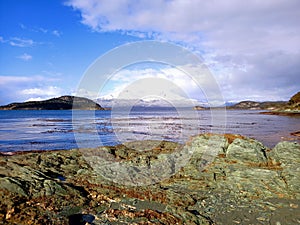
(49, 130)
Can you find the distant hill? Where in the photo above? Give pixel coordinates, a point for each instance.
(60, 103)
(292, 107)
(249, 105)
(200, 108)
(295, 100)
(252, 105)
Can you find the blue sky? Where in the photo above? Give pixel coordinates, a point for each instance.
(253, 48)
(44, 46)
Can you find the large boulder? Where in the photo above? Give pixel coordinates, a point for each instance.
(246, 150)
(288, 155)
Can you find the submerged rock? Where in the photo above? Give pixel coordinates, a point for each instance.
(212, 179)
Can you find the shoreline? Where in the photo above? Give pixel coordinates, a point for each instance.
(281, 113)
(293, 137)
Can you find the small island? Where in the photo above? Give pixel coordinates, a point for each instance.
(198, 107)
(61, 103)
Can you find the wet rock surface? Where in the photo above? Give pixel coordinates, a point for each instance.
(223, 179)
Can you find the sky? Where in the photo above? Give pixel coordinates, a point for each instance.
(251, 48)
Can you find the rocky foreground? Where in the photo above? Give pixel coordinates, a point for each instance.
(246, 183)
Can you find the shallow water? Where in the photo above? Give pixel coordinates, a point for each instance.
(49, 130)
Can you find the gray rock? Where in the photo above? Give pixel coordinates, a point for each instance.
(246, 150)
(288, 155)
(13, 185)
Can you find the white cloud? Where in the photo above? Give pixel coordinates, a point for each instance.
(56, 33)
(236, 38)
(25, 57)
(23, 27)
(41, 30)
(217, 24)
(19, 42)
(35, 99)
(7, 80)
(41, 93)
(52, 73)
(22, 88)
(166, 81)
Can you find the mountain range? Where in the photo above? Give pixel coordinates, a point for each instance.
(72, 102)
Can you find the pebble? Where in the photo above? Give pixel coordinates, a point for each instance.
(294, 206)
(261, 218)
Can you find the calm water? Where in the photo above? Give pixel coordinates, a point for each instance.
(47, 130)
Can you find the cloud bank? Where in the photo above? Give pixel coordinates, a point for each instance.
(253, 47)
(20, 88)
(161, 81)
